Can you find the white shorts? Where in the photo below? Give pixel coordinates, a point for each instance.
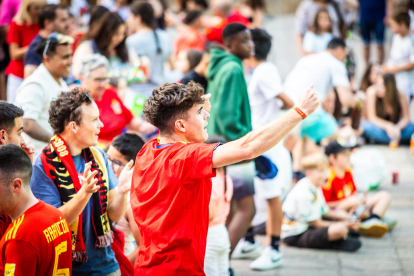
(216, 261)
(13, 83)
(276, 187)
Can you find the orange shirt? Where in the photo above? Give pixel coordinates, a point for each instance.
(221, 195)
(37, 243)
(187, 39)
(339, 188)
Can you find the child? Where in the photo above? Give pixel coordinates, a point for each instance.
(265, 90)
(187, 60)
(305, 209)
(190, 36)
(316, 39)
(340, 193)
(216, 261)
(401, 60)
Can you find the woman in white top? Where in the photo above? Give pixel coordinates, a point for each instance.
(318, 36)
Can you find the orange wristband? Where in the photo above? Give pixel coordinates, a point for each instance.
(301, 113)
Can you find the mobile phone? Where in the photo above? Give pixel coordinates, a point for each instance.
(357, 213)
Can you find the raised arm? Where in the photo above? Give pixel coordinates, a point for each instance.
(259, 141)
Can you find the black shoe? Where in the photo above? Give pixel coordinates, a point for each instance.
(348, 245)
(354, 234)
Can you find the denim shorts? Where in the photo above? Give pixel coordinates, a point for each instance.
(375, 26)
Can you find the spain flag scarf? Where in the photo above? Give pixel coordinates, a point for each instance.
(60, 168)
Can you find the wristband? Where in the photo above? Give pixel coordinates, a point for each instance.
(301, 113)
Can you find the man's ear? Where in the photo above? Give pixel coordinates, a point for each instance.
(180, 125)
(72, 126)
(3, 135)
(16, 185)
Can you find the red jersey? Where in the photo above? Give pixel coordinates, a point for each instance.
(339, 188)
(171, 189)
(37, 243)
(5, 221)
(23, 36)
(214, 33)
(113, 114)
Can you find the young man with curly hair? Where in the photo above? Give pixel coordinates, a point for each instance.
(171, 184)
(74, 176)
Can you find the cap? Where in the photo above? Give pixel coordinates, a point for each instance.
(335, 147)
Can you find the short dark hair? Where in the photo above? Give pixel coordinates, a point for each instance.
(9, 112)
(402, 18)
(128, 144)
(67, 108)
(48, 12)
(51, 50)
(194, 58)
(231, 30)
(14, 163)
(335, 43)
(262, 43)
(170, 102)
(192, 16)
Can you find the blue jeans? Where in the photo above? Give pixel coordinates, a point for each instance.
(380, 136)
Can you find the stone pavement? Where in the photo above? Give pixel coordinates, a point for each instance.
(393, 254)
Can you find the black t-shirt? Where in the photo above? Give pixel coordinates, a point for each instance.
(31, 57)
(193, 76)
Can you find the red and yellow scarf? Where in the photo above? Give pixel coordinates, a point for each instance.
(60, 168)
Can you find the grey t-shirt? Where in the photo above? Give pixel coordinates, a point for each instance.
(145, 44)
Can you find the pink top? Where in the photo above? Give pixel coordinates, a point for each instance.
(8, 10)
(221, 200)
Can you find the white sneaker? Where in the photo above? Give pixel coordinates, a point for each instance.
(247, 250)
(373, 227)
(269, 259)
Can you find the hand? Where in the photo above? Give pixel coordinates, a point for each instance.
(353, 225)
(89, 180)
(125, 179)
(308, 101)
(207, 104)
(28, 149)
(393, 132)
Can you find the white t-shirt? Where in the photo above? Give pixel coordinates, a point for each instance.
(304, 203)
(264, 86)
(34, 96)
(322, 70)
(316, 43)
(401, 54)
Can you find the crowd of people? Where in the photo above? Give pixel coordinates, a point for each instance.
(148, 139)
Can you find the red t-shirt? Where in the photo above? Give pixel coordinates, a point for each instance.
(339, 188)
(113, 114)
(171, 188)
(23, 36)
(214, 33)
(187, 39)
(37, 243)
(5, 221)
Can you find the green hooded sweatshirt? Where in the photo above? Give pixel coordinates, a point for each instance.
(230, 115)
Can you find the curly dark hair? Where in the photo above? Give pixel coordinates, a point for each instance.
(67, 108)
(170, 102)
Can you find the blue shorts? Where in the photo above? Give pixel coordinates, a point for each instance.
(372, 26)
(243, 179)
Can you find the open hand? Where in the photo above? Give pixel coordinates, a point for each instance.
(308, 101)
(89, 182)
(125, 179)
(207, 104)
(28, 149)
